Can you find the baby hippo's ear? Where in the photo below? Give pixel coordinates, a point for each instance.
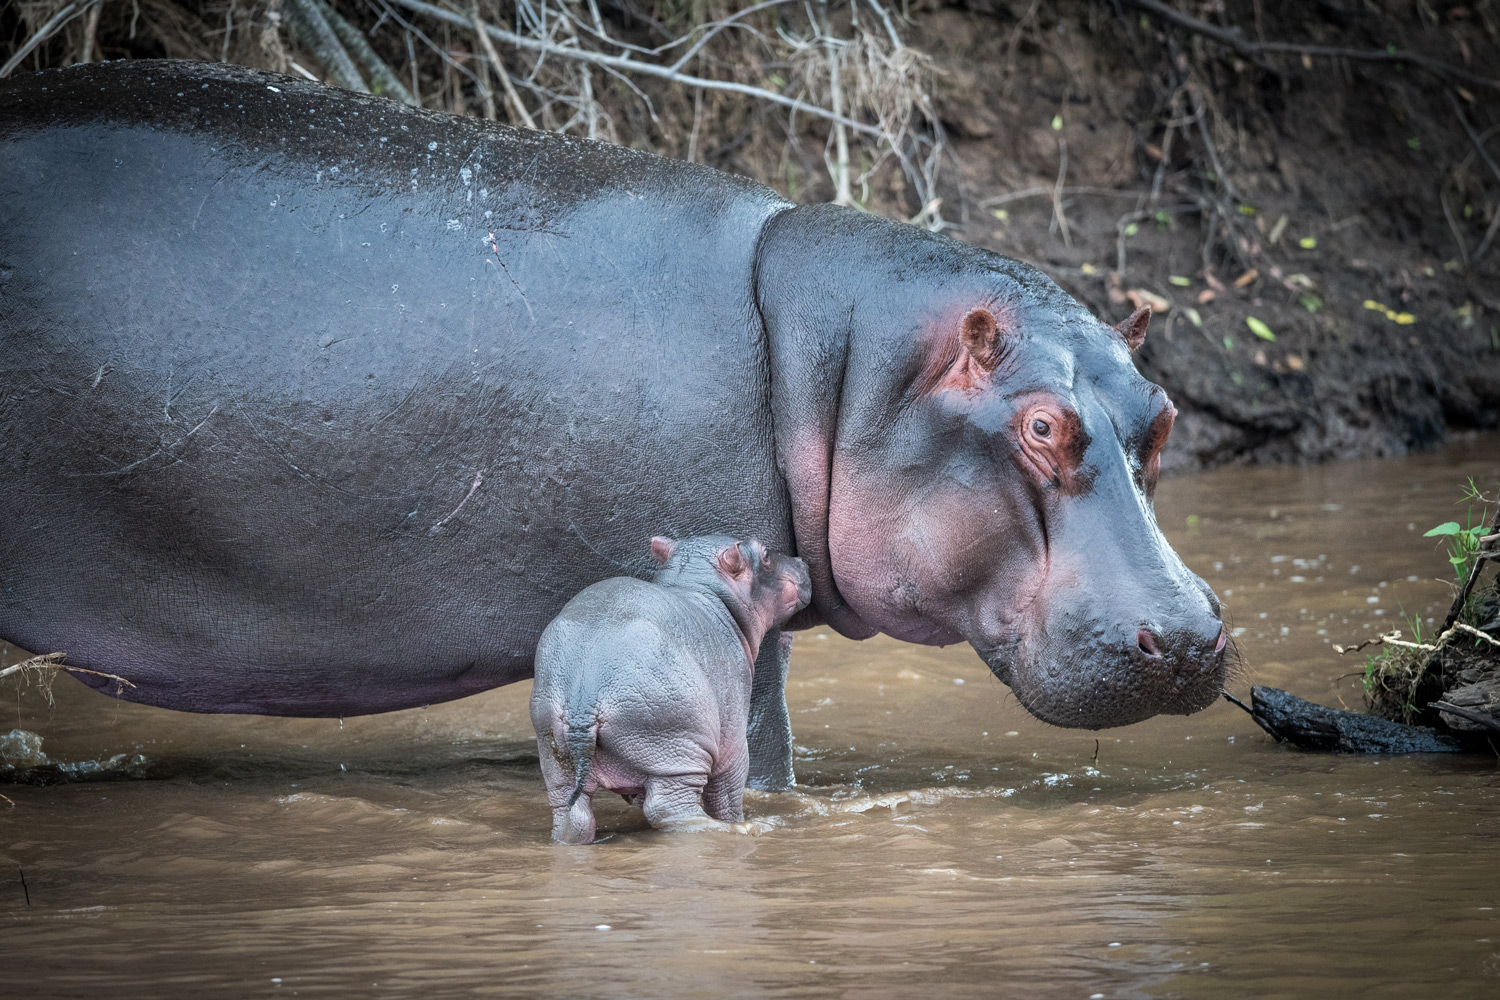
(732, 562)
(662, 548)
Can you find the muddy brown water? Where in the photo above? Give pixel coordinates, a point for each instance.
(942, 842)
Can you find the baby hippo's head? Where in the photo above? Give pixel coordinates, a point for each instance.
(761, 589)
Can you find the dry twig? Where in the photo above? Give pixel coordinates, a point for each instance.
(46, 31)
(54, 662)
(624, 64)
(1256, 51)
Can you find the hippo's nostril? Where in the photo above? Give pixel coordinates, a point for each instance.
(1147, 642)
(1223, 639)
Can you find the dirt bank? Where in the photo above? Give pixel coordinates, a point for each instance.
(1357, 157)
(1311, 224)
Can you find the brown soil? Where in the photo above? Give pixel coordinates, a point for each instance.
(1325, 147)
(1368, 159)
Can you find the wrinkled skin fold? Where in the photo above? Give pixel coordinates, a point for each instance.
(311, 404)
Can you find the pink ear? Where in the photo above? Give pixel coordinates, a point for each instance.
(981, 335)
(732, 561)
(662, 548)
(1133, 328)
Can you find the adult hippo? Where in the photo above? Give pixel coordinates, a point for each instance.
(313, 404)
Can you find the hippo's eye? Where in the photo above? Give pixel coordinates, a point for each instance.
(1041, 428)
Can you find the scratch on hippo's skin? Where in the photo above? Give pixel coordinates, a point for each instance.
(590, 546)
(473, 488)
(164, 448)
(495, 248)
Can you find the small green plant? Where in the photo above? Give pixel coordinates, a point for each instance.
(1394, 673)
(1463, 540)
(1400, 678)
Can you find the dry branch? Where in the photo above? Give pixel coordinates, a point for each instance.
(1394, 639)
(624, 64)
(497, 66)
(1478, 718)
(54, 662)
(382, 78)
(1255, 51)
(46, 31)
(314, 31)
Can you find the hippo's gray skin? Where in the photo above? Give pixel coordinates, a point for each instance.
(314, 404)
(644, 688)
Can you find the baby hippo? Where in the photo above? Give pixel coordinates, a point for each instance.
(644, 688)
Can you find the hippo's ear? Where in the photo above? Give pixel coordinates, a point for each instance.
(1133, 328)
(662, 548)
(732, 561)
(983, 337)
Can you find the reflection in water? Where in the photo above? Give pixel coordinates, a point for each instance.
(942, 841)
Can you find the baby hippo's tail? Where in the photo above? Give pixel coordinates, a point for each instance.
(582, 737)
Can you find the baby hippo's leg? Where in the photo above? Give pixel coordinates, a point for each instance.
(572, 823)
(575, 824)
(675, 802)
(724, 795)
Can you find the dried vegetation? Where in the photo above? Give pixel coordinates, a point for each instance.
(1310, 193)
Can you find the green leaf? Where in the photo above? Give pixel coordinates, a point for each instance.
(1310, 302)
(1247, 209)
(1132, 229)
(1259, 329)
(1180, 281)
(1057, 123)
(1413, 143)
(1229, 345)
(1308, 242)
(1193, 317)
(1446, 528)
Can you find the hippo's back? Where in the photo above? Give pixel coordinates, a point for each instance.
(314, 404)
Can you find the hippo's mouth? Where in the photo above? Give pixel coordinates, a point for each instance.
(1119, 694)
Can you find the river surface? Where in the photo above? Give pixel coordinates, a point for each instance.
(942, 842)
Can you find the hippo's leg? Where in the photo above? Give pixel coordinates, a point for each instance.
(571, 823)
(675, 802)
(724, 795)
(575, 824)
(770, 727)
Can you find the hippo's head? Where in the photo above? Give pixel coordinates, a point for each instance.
(761, 589)
(971, 455)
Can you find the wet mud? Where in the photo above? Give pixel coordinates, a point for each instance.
(942, 842)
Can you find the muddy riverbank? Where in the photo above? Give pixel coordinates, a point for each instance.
(941, 840)
(1345, 205)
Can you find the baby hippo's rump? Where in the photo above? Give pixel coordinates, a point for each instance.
(644, 688)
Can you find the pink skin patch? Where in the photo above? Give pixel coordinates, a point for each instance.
(1051, 442)
(1156, 440)
(809, 478)
(965, 350)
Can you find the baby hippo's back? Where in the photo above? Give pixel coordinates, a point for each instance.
(644, 688)
(639, 656)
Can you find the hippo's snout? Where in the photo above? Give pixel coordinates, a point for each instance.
(1081, 667)
(1092, 684)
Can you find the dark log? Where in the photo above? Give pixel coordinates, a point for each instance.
(1316, 727)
